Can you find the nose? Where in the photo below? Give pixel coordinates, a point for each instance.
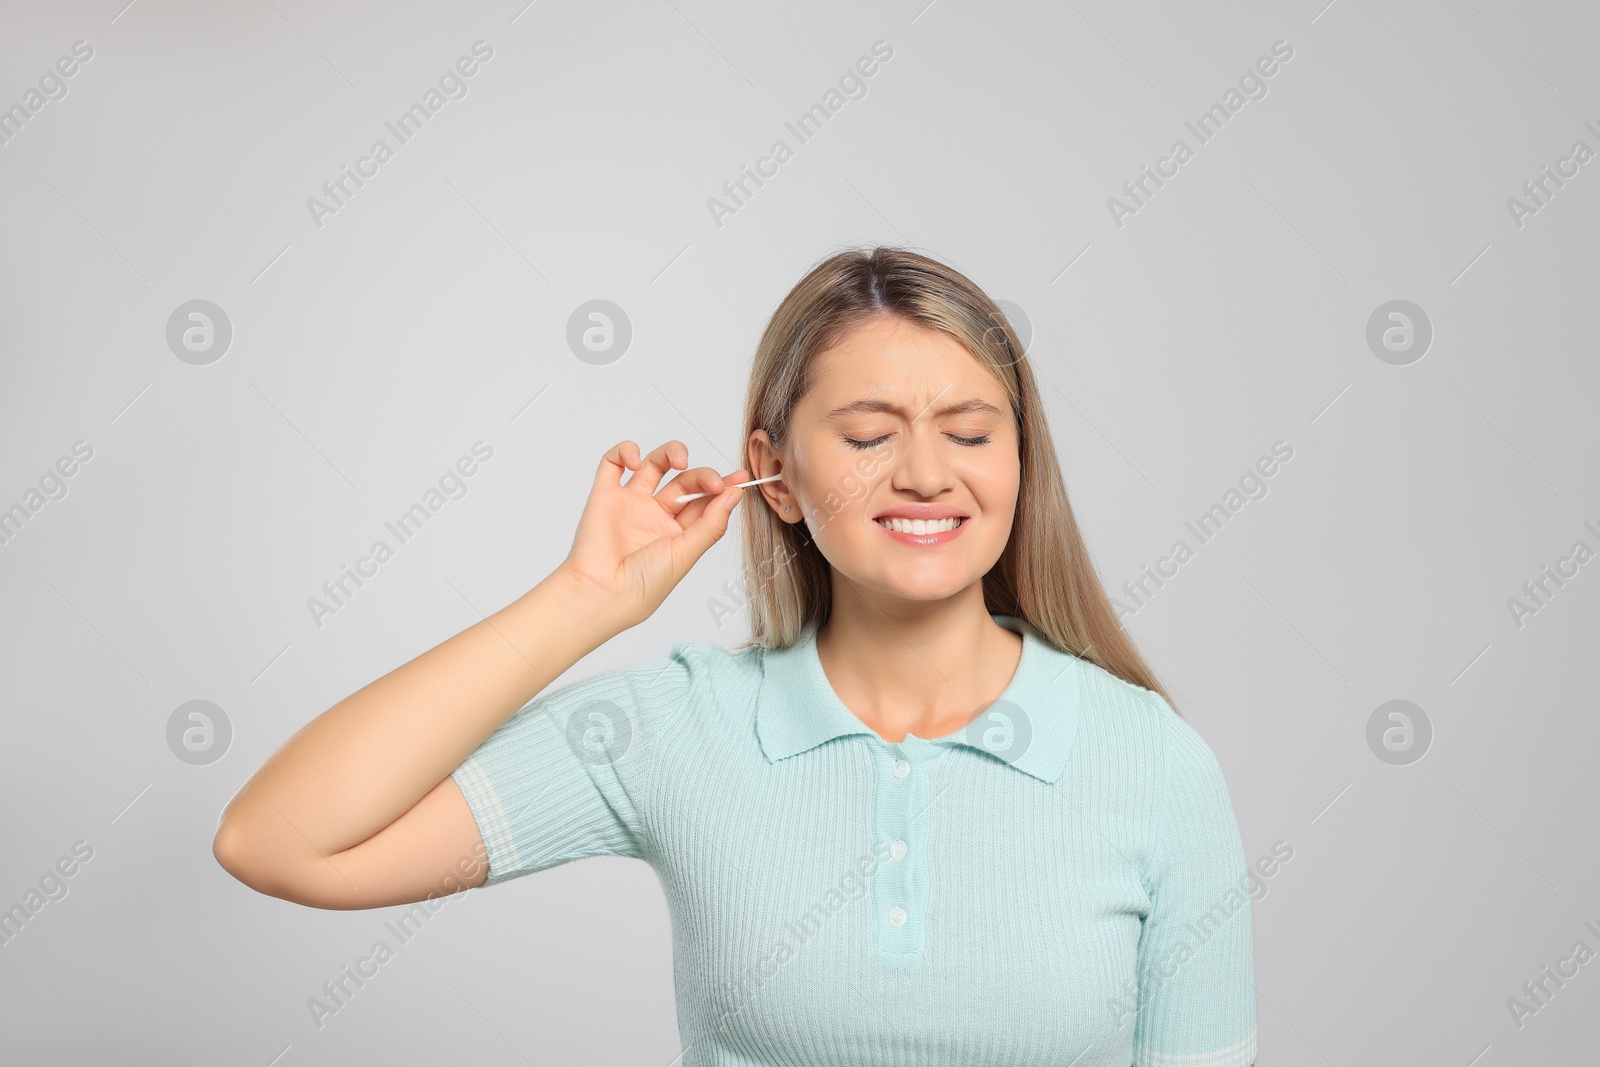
(919, 465)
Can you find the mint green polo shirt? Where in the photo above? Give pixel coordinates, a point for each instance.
(1061, 882)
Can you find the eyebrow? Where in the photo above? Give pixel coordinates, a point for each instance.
(872, 405)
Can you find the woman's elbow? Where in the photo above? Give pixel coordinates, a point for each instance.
(253, 861)
(236, 853)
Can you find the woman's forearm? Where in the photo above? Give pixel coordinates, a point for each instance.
(364, 762)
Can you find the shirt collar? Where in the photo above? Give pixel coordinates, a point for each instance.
(1030, 726)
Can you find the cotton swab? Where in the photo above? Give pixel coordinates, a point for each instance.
(685, 498)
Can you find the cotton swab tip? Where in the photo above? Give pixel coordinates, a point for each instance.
(685, 498)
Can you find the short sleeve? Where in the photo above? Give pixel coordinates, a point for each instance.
(1197, 1001)
(567, 775)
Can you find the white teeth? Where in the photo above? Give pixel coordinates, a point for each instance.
(920, 526)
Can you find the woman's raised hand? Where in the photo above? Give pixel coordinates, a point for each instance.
(634, 543)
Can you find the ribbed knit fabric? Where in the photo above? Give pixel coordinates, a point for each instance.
(1060, 883)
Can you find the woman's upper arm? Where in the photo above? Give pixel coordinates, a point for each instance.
(559, 780)
(431, 850)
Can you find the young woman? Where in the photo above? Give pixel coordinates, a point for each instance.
(936, 811)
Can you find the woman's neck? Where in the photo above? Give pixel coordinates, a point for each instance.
(927, 671)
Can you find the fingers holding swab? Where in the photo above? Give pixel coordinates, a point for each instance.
(685, 498)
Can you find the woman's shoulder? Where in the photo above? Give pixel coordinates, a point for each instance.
(1137, 721)
(715, 660)
(709, 673)
(682, 662)
(664, 678)
(1112, 703)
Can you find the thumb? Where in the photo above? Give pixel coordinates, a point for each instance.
(711, 525)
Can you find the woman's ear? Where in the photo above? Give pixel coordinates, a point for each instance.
(764, 463)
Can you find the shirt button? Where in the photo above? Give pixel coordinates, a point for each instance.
(901, 768)
(897, 849)
(897, 917)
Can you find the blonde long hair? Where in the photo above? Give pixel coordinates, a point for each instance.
(1044, 576)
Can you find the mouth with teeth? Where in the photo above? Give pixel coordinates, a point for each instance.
(923, 532)
(920, 526)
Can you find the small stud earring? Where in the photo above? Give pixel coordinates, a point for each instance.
(786, 509)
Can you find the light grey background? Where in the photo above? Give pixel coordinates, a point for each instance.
(368, 354)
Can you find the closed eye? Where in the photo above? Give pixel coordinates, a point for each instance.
(970, 442)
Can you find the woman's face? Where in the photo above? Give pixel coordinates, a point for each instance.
(900, 423)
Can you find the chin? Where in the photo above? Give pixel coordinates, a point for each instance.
(921, 587)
